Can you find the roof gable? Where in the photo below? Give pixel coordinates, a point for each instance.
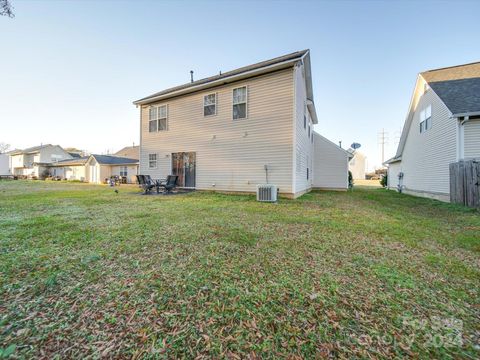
(461, 96)
(132, 152)
(458, 87)
(213, 80)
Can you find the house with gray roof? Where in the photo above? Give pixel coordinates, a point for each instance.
(442, 127)
(96, 168)
(34, 162)
(238, 129)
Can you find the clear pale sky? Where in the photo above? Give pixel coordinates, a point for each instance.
(71, 69)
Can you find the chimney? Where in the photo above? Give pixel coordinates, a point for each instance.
(340, 143)
(191, 75)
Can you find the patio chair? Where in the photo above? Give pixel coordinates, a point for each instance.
(169, 184)
(147, 183)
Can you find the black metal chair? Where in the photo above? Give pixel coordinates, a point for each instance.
(169, 184)
(147, 183)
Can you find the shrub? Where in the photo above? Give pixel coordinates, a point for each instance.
(384, 180)
(350, 179)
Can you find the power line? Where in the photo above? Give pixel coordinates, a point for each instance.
(382, 141)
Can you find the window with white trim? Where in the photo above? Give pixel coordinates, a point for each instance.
(152, 161)
(426, 119)
(123, 171)
(157, 117)
(152, 119)
(240, 103)
(210, 105)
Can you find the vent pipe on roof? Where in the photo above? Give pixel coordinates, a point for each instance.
(191, 75)
(340, 143)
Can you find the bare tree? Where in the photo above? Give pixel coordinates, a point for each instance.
(6, 8)
(4, 147)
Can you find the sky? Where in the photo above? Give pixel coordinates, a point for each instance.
(70, 70)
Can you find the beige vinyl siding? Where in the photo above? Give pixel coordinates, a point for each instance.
(357, 166)
(303, 144)
(75, 172)
(393, 171)
(426, 156)
(472, 139)
(330, 168)
(16, 161)
(131, 172)
(230, 154)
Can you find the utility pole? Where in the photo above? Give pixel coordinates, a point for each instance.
(382, 141)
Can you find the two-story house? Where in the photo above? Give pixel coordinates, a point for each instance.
(234, 130)
(442, 127)
(35, 161)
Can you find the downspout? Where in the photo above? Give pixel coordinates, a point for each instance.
(461, 137)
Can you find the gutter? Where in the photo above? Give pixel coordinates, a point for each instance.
(392, 161)
(467, 114)
(313, 112)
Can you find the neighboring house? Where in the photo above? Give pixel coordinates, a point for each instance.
(71, 169)
(229, 131)
(132, 152)
(35, 161)
(5, 163)
(330, 166)
(442, 127)
(357, 165)
(96, 168)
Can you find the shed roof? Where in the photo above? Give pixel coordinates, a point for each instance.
(113, 160)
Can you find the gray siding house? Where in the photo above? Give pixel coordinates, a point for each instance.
(442, 127)
(222, 132)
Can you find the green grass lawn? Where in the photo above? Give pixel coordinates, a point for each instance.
(88, 272)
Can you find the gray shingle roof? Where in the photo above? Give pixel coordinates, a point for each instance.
(457, 86)
(113, 160)
(292, 56)
(461, 96)
(31, 149)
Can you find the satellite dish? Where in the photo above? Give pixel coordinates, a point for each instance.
(355, 146)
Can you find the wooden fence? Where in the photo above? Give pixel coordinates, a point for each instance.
(465, 183)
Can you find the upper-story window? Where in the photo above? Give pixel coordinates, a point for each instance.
(157, 117)
(210, 104)
(240, 103)
(426, 119)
